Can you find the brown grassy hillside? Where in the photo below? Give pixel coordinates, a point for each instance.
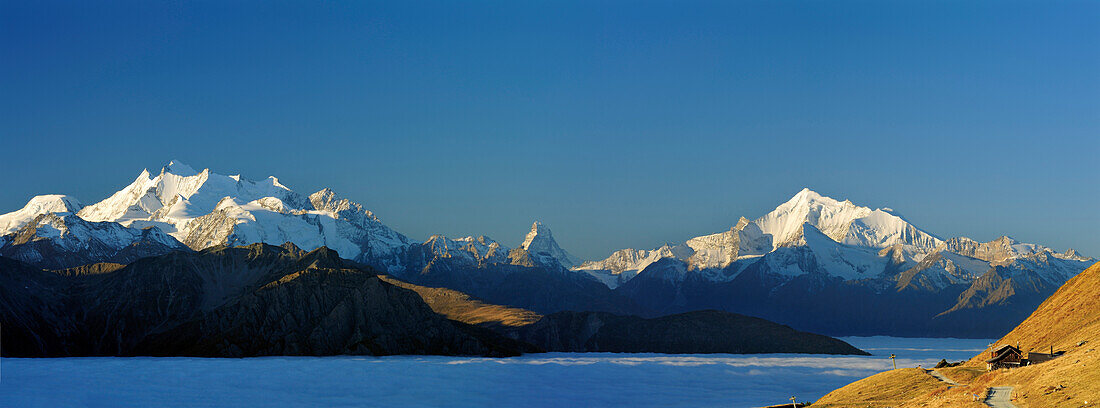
(461, 307)
(1069, 316)
(1069, 320)
(885, 389)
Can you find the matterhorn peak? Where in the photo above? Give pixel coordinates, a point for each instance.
(540, 243)
(536, 229)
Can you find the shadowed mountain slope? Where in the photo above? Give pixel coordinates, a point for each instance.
(706, 331)
(229, 302)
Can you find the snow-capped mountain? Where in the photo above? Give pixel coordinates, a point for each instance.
(59, 240)
(204, 209)
(814, 262)
(811, 233)
(540, 243)
(841, 221)
(624, 264)
(831, 266)
(38, 205)
(472, 250)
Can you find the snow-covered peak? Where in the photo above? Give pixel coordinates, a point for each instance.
(327, 201)
(831, 216)
(479, 241)
(1005, 249)
(38, 205)
(843, 222)
(180, 193)
(178, 168)
(634, 260)
(475, 249)
(1071, 254)
(816, 252)
(807, 195)
(61, 240)
(883, 228)
(540, 243)
(715, 250)
(809, 224)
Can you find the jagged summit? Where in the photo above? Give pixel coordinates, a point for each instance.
(179, 168)
(540, 243)
(480, 249)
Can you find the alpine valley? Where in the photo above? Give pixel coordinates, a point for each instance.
(215, 258)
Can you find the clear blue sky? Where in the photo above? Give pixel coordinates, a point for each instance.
(617, 124)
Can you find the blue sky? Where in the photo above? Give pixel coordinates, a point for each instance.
(617, 124)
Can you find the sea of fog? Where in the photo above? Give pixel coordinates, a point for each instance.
(537, 380)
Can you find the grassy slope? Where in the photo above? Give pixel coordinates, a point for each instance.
(461, 307)
(1067, 318)
(889, 388)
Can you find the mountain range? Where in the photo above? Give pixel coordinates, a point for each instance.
(814, 263)
(263, 300)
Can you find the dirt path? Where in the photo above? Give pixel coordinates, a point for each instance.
(1000, 397)
(942, 377)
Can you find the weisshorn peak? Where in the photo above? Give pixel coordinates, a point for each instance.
(818, 234)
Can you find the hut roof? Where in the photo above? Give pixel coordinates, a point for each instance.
(1002, 353)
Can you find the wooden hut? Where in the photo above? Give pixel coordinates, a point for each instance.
(1006, 356)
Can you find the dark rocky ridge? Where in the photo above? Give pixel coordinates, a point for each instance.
(519, 283)
(225, 302)
(820, 303)
(263, 300)
(706, 331)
